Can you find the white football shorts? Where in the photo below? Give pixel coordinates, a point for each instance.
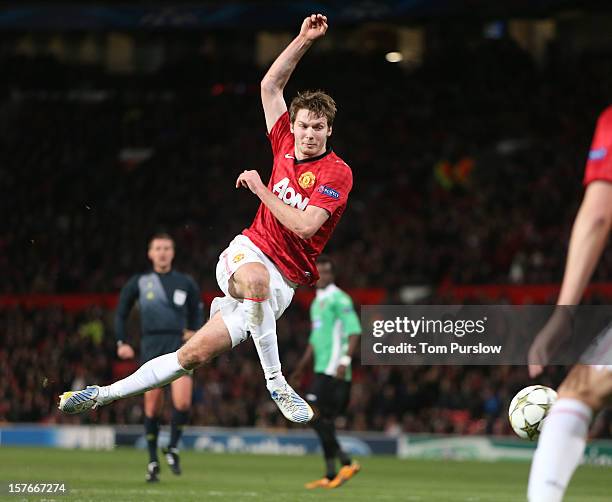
(241, 251)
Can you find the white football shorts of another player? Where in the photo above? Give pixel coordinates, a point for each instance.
(240, 252)
(599, 352)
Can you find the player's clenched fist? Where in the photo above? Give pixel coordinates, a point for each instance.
(314, 26)
(250, 180)
(555, 334)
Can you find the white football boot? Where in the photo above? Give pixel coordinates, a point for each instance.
(291, 404)
(78, 401)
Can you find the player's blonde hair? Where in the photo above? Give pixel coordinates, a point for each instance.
(318, 103)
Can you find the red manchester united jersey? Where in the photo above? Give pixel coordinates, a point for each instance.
(599, 165)
(324, 181)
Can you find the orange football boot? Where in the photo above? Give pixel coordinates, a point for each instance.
(318, 483)
(346, 473)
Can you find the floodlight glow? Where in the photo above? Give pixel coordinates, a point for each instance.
(394, 57)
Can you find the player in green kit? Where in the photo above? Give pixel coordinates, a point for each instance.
(334, 338)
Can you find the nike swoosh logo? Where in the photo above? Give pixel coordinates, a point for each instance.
(287, 156)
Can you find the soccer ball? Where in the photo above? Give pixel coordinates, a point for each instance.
(529, 408)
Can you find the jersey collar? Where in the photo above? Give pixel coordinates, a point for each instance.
(327, 151)
(152, 271)
(326, 291)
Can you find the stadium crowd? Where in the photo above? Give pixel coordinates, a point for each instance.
(45, 351)
(466, 170)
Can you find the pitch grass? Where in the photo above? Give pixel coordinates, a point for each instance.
(119, 476)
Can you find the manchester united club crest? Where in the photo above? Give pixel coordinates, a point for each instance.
(306, 180)
(238, 257)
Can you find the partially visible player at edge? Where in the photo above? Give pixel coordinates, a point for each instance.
(334, 338)
(259, 271)
(587, 388)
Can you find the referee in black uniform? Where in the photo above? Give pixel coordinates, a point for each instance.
(170, 312)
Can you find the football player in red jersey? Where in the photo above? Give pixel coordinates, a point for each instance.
(587, 387)
(259, 271)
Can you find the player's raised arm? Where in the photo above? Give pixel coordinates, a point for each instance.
(274, 81)
(589, 236)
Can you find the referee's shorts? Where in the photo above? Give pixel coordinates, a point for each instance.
(330, 395)
(152, 346)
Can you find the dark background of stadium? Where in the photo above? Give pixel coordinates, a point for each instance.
(467, 156)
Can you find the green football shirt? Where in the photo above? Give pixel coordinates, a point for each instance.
(333, 320)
